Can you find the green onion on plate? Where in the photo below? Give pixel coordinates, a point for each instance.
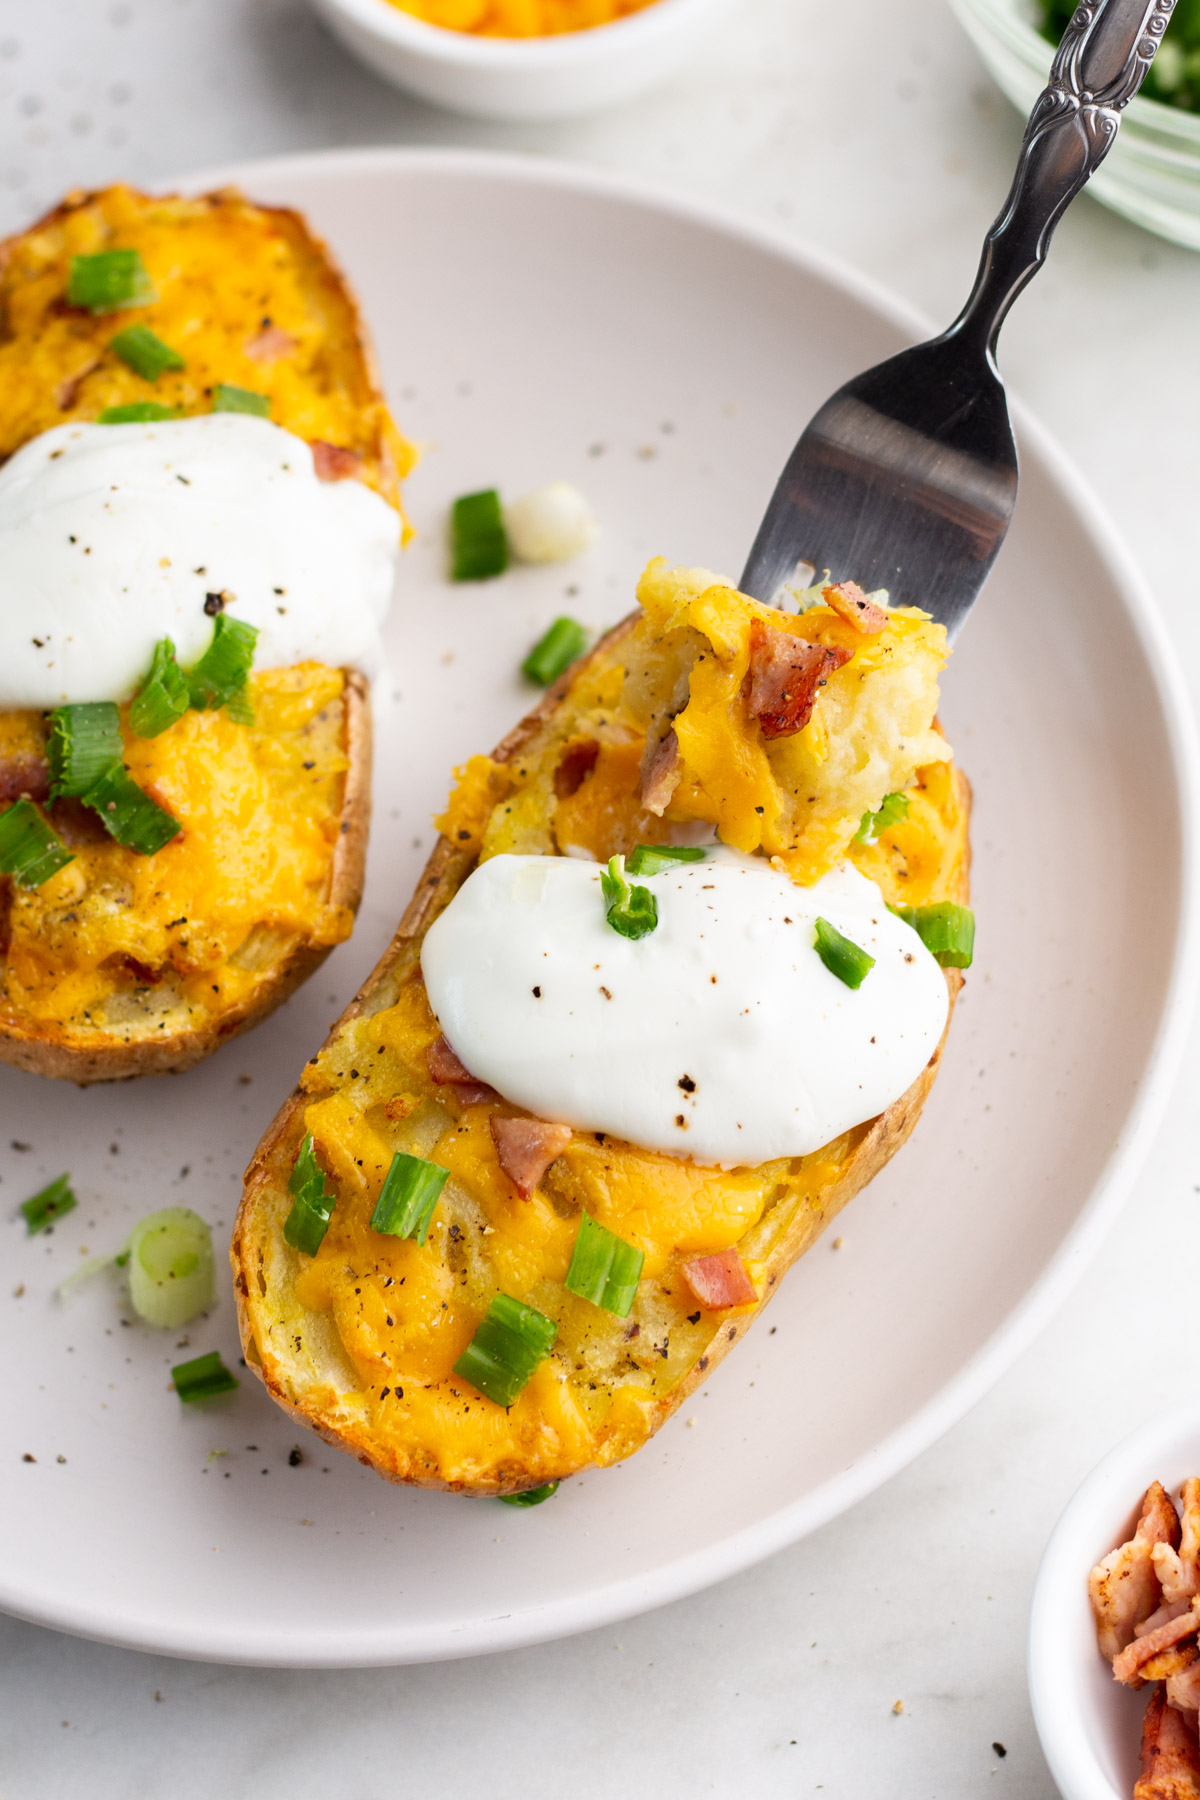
(604, 1268)
(163, 696)
(83, 743)
(555, 651)
(532, 1496)
(203, 1378)
(652, 859)
(632, 911)
(29, 850)
(506, 1349)
(313, 1201)
(168, 1261)
(946, 930)
(226, 398)
(847, 960)
(143, 351)
(51, 1203)
(137, 412)
(478, 540)
(409, 1194)
(109, 280)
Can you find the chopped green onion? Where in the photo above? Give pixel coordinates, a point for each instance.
(947, 931)
(109, 280)
(144, 352)
(313, 1201)
(892, 809)
(556, 651)
(53, 1202)
(137, 412)
(29, 851)
(163, 696)
(223, 668)
(409, 1194)
(478, 540)
(128, 814)
(508, 1346)
(532, 1496)
(203, 1377)
(652, 859)
(169, 1259)
(604, 1268)
(84, 742)
(240, 400)
(632, 911)
(848, 961)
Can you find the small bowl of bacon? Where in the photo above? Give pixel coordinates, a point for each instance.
(1114, 1653)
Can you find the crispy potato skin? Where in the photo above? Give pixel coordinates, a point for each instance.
(354, 406)
(307, 1390)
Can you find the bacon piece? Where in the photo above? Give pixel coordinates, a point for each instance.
(1170, 1754)
(1179, 1570)
(575, 765)
(526, 1148)
(332, 461)
(850, 603)
(785, 674)
(1124, 1586)
(1170, 1662)
(447, 1069)
(269, 344)
(1183, 1691)
(719, 1281)
(1128, 1666)
(25, 774)
(67, 391)
(661, 774)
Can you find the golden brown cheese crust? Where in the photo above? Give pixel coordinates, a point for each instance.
(298, 1354)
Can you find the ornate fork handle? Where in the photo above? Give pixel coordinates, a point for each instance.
(1101, 63)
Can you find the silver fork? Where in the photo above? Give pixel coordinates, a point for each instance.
(906, 478)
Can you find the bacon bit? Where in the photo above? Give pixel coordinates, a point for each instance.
(332, 462)
(661, 774)
(24, 775)
(575, 765)
(526, 1148)
(1169, 1662)
(1179, 1571)
(1128, 1666)
(720, 1281)
(785, 673)
(400, 1106)
(269, 344)
(448, 1070)
(1183, 1691)
(67, 391)
(850, 603)
(1170, 1754)
(1124, 1586)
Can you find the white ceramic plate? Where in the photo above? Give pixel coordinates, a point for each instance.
(537, 322)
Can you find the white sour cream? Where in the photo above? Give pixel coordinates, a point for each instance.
(721, 1036)
(111, 536)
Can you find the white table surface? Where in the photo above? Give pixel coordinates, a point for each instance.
(870, 129)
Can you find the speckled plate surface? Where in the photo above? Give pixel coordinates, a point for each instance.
(537, 322)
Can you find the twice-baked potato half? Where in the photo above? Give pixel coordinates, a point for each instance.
(471, 1290)
(199, 514)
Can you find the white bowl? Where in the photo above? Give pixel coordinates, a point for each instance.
(1089, 1725)
(522, 78)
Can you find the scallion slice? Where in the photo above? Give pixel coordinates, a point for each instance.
(53, 1202)
(652, 859)
(109, 280)
(136, 412)
(84, 742)
(163, 696)
(169, 1266)
(847, 960)
(141, 350)
(203, 1378)
(29, 850)
(556, 651)
(478, 540)
(532, 1496)
(604, 1268)
(128, 814)
(223, 668)
(508, 1346)
(632, 911)
(226, 398)
(409, 1194)
(892, 809)
(947, 931)
(313, 1201)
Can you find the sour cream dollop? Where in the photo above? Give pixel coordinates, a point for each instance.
(721, 1036)
(112, 536)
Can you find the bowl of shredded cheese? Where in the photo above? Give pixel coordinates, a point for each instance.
(522, 59)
